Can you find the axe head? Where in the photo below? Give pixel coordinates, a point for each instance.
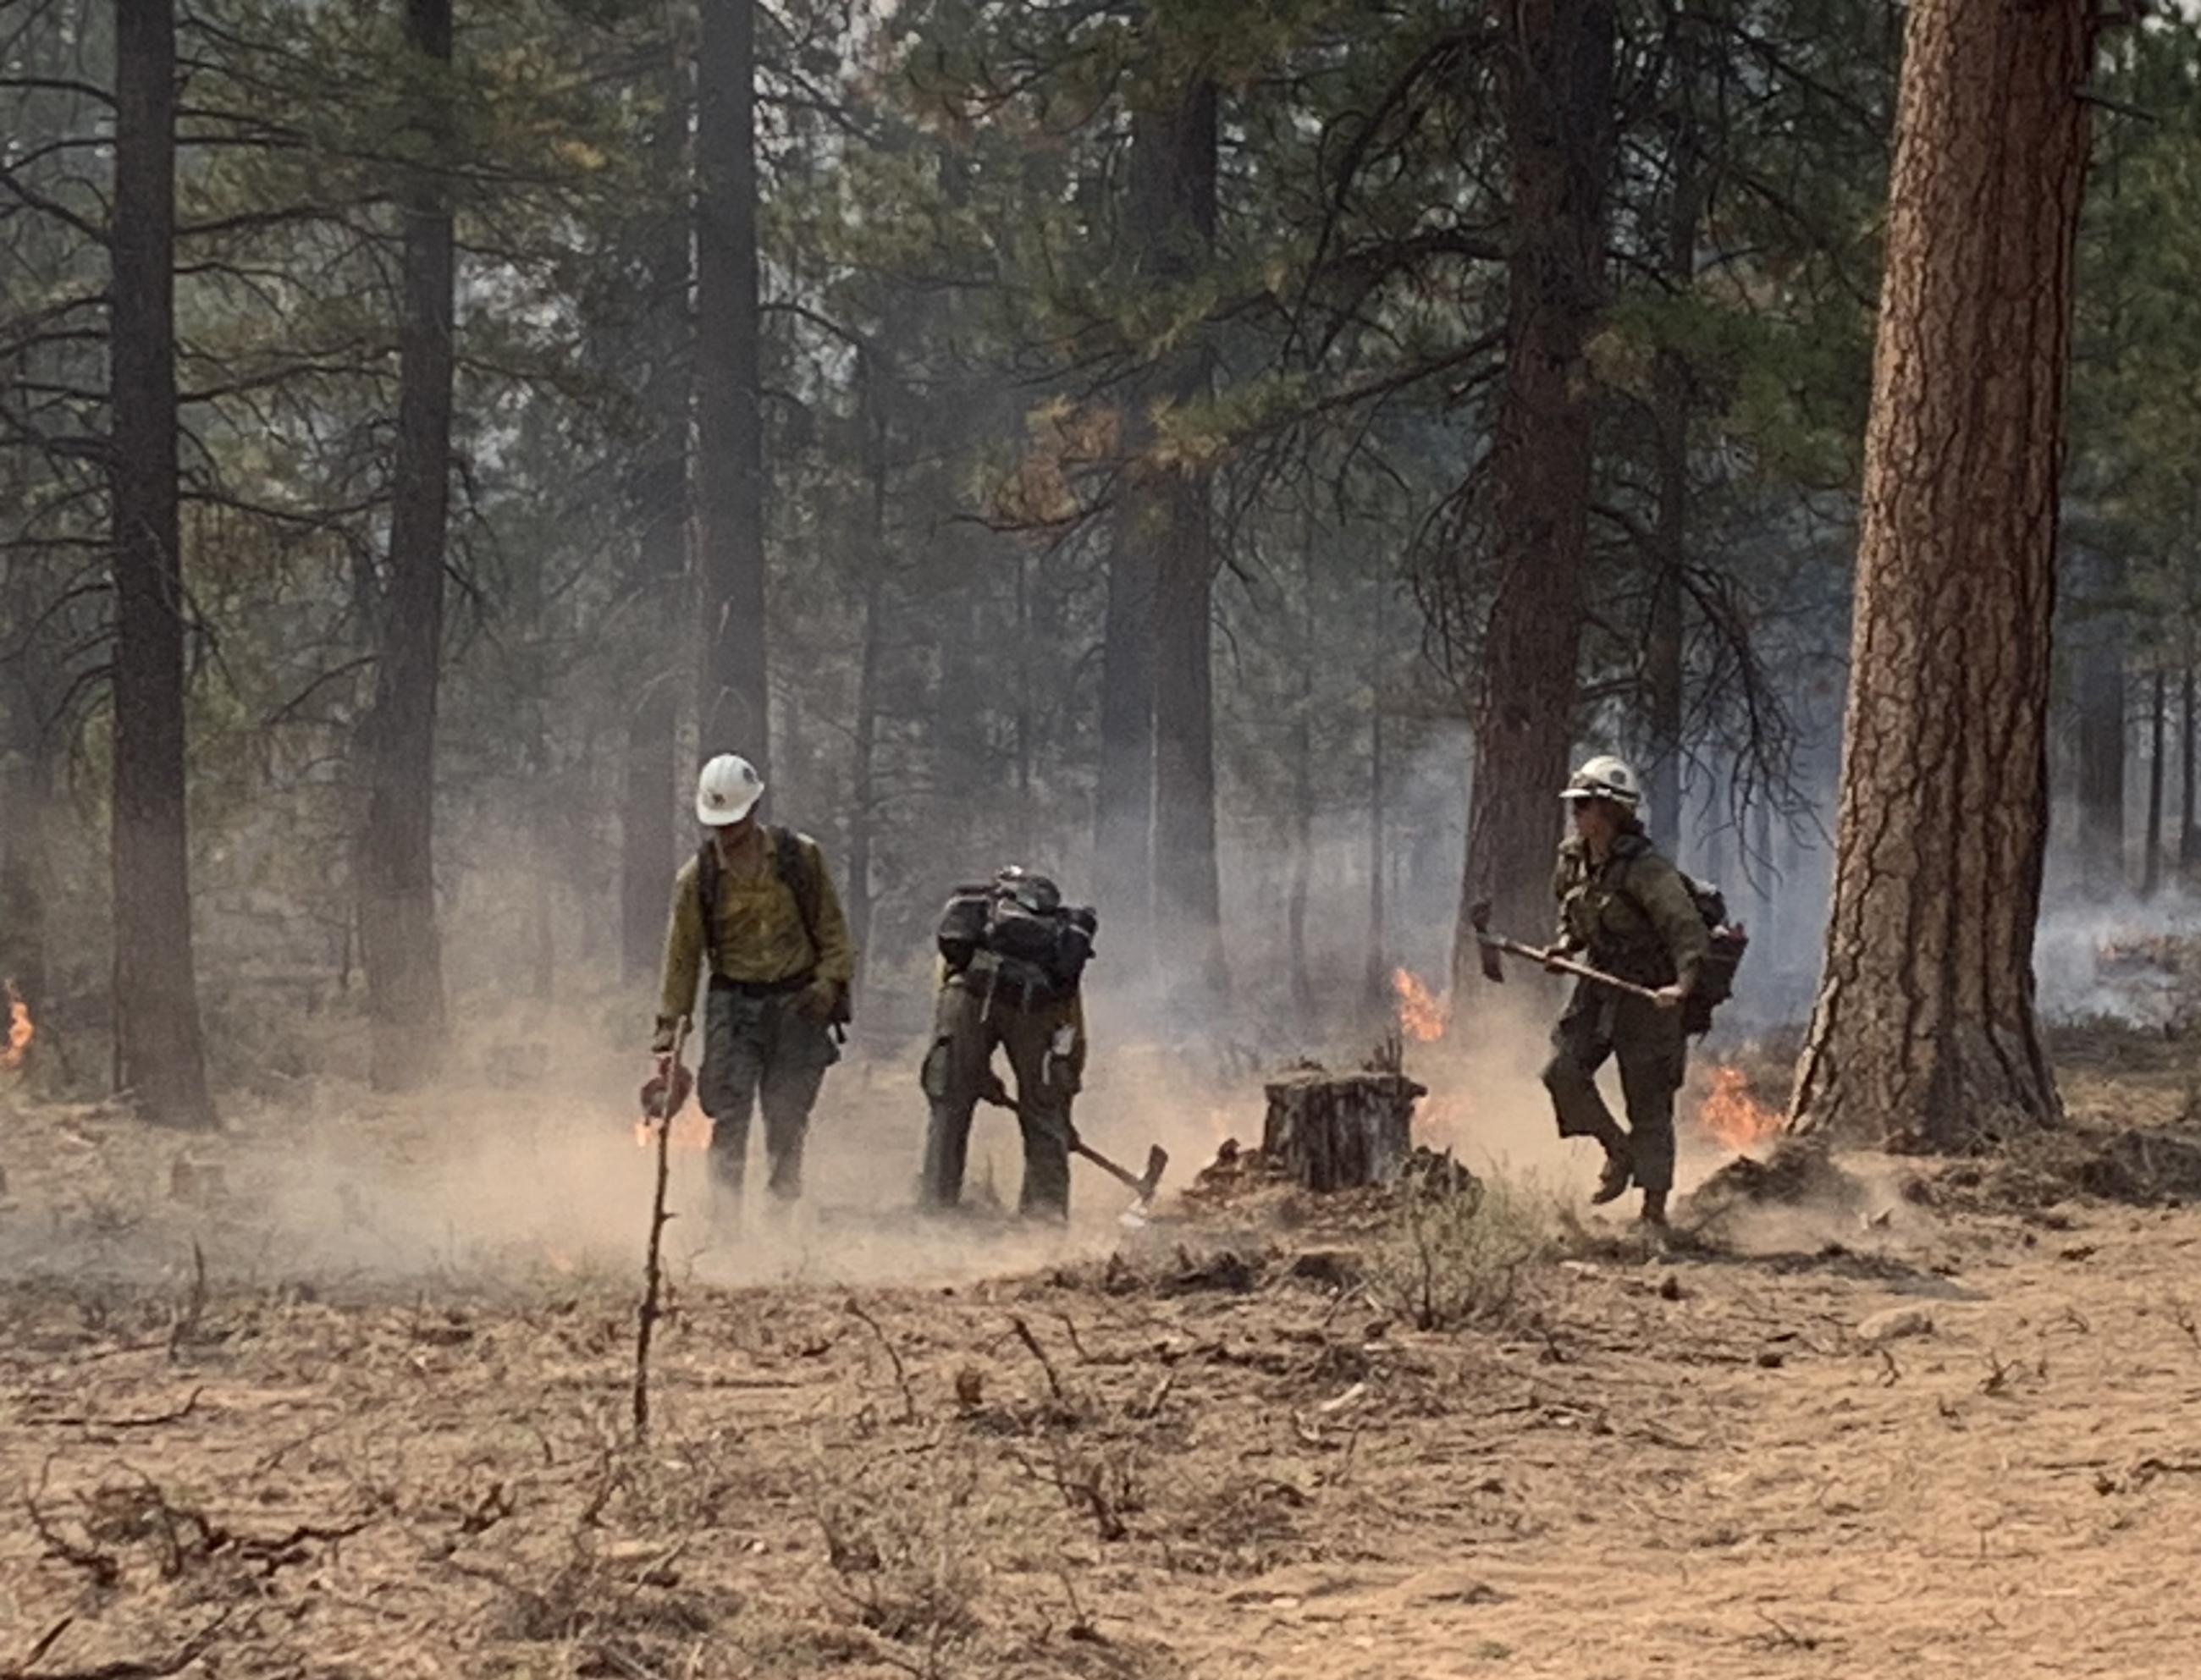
(1156, 1159)
(1478, 917)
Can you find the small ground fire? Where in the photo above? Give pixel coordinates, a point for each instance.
(1422, 1014)
(1731, 1115)
(20, 1030)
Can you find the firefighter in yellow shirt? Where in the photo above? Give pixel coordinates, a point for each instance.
(756, 906)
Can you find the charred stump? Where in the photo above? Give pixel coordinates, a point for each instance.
(1338, 1131)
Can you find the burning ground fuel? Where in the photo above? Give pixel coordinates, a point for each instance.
(21, 1031)
(1728, 1114)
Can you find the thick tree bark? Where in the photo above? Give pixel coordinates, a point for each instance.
(1556, 68)
(159, 1058)
(733, 710)
(399, 945)
(649, 829)
(2151, 868)
(2104, 638)
(1925, 1031)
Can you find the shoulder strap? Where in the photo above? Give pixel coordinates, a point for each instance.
(797, 877)
(707, 898)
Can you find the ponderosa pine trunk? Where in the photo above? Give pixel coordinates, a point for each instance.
(1165, 758)
(1925, 1032)
(1123, 797)
(863, 774)
(2103, 637)
(649, 841)
(1556, 66)
(1376, 967)
(160, 1057)
(2189, 835)
(1301, 884)
(400, 947)
(733, 708)
(1673, 396)
(2151, 868)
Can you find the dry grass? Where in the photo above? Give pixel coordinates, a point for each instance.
(1456, 1255)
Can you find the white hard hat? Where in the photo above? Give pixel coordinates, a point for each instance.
(1605, 777)
(727, 791)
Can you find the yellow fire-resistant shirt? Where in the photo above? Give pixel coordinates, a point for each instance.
(761, 937)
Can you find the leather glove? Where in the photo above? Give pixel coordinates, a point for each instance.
(666, 1091)
(660, 1040)
(814, 1003)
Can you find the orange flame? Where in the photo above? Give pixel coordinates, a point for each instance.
(691, 1132)
(20, 1030)
(1422, 1013)
(1733, 1115)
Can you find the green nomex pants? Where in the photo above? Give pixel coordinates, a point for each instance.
(759, 1050)
(1648, 1042)
(967, 1026)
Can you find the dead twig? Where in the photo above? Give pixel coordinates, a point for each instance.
(1784, 1638)
(2182, 1316)
(46, 1641)
(104, 1567)
(86, 1421)
(1070, 1329)
(654, 1265)
(1151, 1407)
(1032, 1343)
(152, 1669)
(1997, 1381)
(901, 1377)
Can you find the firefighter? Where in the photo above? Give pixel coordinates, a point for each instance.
(1012, 956)
(1627, 910)
(756, 905)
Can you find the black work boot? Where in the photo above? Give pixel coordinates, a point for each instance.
(1612, 1182)
(1654, 1208)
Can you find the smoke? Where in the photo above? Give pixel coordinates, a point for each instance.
(2112, 960)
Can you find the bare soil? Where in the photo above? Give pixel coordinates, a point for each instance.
(379, 1425)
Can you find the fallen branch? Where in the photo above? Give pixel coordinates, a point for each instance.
(901, 1377)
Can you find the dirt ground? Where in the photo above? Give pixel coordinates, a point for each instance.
(365, 1410)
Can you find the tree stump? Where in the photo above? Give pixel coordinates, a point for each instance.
(1337, 1131)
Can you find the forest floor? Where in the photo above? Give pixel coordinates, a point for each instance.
(264, 1414)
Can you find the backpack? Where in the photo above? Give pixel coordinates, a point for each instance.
(1716, 974)
(1023, 923)
(795, 874)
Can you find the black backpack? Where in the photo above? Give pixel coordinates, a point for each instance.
(795, 874)
(1024, 924)
(1716, 974)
